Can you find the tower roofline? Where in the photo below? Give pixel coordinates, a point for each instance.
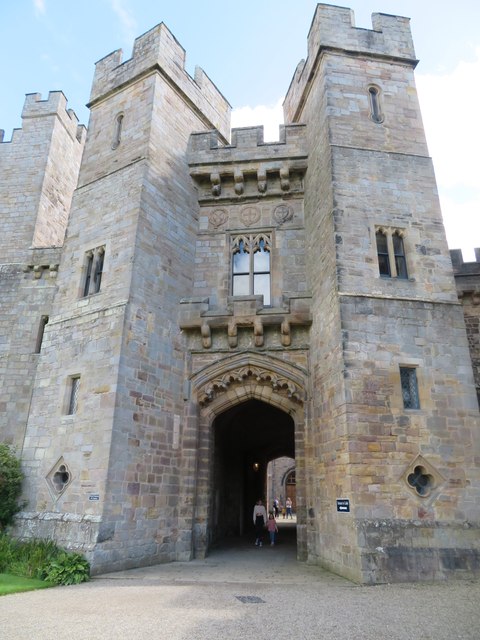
(159, 50)
(333, 29)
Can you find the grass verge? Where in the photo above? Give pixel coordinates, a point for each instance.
(17, 584)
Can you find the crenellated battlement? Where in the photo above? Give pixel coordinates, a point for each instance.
(460, 267)
(248, 167)
(333, 28)
(247, 143)
(158, 50)
(54, 105)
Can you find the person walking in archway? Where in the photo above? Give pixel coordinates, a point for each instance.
(288, 505)
(259, 520)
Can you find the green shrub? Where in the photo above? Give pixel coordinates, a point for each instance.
(42, 559)
(11, 477)
(6, 553)
(31, 557)
(68, 568)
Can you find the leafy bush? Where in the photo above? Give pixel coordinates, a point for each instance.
(42, 559)
(68, 568)
(31, 557)
(11, 477)
(6, 553)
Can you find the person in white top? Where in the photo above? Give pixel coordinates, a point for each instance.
(259, 520)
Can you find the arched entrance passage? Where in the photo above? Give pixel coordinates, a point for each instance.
(246, 438)
(242, 400)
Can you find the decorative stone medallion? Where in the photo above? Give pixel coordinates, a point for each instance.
(282, 213)
(218, 217)
(249, 216)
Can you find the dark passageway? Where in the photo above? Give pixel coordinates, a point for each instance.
(247, 437)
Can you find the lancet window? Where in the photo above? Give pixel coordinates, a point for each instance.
(93, 271)
(392, 262)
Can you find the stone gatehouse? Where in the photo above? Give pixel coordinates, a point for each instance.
(182, 305)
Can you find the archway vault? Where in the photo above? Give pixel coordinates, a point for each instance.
(225, 384)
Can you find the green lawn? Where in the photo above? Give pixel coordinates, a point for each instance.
(16, 584)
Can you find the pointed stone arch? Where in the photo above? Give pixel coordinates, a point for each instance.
(250, 375)
(229, 382)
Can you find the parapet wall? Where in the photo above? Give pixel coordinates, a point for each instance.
(333, 28)
(54, 105)
(159, 50)
(247, 144)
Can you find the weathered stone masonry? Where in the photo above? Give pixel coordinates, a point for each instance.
(147, 396)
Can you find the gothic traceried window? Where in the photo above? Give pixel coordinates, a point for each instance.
(251, 265)
(392, 262)
(93, 270)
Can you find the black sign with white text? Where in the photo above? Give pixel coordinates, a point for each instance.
(343, 505)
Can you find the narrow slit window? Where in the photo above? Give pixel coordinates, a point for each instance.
(41, 331)
(117, 133)
(409, 384)
(375, 111)
(73, 395)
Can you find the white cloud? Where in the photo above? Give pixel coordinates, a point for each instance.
(449, 106)
(271, 117)
(39, 6)
(127, 20)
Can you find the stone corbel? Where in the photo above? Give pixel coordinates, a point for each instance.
(239, 181)
(284, 178)
(232, 333)
(206, 335)
(53, 270)
(216, 184)
(37, 271)
(258, 332)
(262, 180)
(285, 332)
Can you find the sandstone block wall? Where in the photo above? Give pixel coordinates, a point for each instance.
(39, 169)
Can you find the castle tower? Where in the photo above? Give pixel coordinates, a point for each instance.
(394, 420)
(101, 455)
(39, 169)
(224, 303)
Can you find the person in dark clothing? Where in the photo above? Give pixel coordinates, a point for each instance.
(259, 520)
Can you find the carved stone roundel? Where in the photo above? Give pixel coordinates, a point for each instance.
(249, 216)
(218, 217)
(282, 213)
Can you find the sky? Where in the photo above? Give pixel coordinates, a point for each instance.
(250, 49)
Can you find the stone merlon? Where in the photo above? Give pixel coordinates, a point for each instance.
(158, 50)
(247, 146)
(54, 105)
(333, 29)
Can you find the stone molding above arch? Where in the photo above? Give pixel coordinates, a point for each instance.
(279, 377)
